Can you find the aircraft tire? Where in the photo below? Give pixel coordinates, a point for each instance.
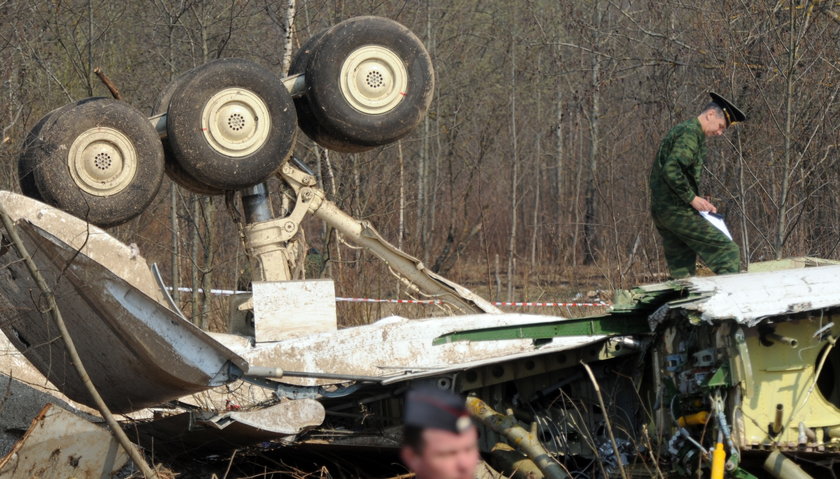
(231, 124)
(369, 81)
(99, 159)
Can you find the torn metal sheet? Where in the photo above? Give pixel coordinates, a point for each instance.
(789, 263)
(123, 260)
(15, 367)
(137, 351)
(397, 349)
(748, 298)
(59, 444)
(283, 419)
(20, 402)
(208, 431)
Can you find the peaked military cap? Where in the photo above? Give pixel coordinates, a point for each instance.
(428, 407)
(731, 112)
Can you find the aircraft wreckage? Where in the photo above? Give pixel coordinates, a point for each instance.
(715, 374)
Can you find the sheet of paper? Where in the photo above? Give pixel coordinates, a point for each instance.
(717, 221)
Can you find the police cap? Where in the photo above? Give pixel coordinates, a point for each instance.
(428, 407)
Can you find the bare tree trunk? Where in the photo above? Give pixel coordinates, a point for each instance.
(423, 187)
(173, 187)
(433, 193)
(514, 180)
(205, 49)
(498, 278)
(781, 222)
(561, 206)
(536, 219)
(422, 180)
(401, 224)
(590, 237)
(176, 243)
(326, 178)
(89, 76)
(288, 28)
(538, 168)
(578, 180)
(797, 35)
(432, 172)
(197, 271)
(194, 246)
(208, 212)
(742, 204)
(356, 206)
(326, 231)
(330, 231)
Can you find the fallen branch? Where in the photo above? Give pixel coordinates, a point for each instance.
(606, 419)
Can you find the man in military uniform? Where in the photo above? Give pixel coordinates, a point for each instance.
(440, 440)
(675, 200)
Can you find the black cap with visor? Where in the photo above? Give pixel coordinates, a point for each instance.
(731, 112)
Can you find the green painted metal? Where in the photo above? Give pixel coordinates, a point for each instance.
(646, 298)
(611, 325)
(720, 378)
(739, 473)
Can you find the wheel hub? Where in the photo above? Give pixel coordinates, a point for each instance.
(102, 161)
(235, 122)
(373, 79)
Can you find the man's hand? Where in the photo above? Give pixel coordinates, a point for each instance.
(701, 204)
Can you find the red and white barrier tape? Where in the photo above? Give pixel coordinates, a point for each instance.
(400, 301)
(495, 303)
(228, 292)
(530, 303)
(220, 292)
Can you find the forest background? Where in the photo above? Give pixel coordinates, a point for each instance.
(527, 180)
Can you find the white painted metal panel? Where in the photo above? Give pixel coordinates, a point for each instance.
(748, 298)
(288, 309)
(285, 418)
(137, 351)
(398, 348)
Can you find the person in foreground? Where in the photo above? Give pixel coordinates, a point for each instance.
(440, 440)
(675, 201)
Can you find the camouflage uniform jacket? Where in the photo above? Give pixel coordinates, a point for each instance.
(675, 175)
